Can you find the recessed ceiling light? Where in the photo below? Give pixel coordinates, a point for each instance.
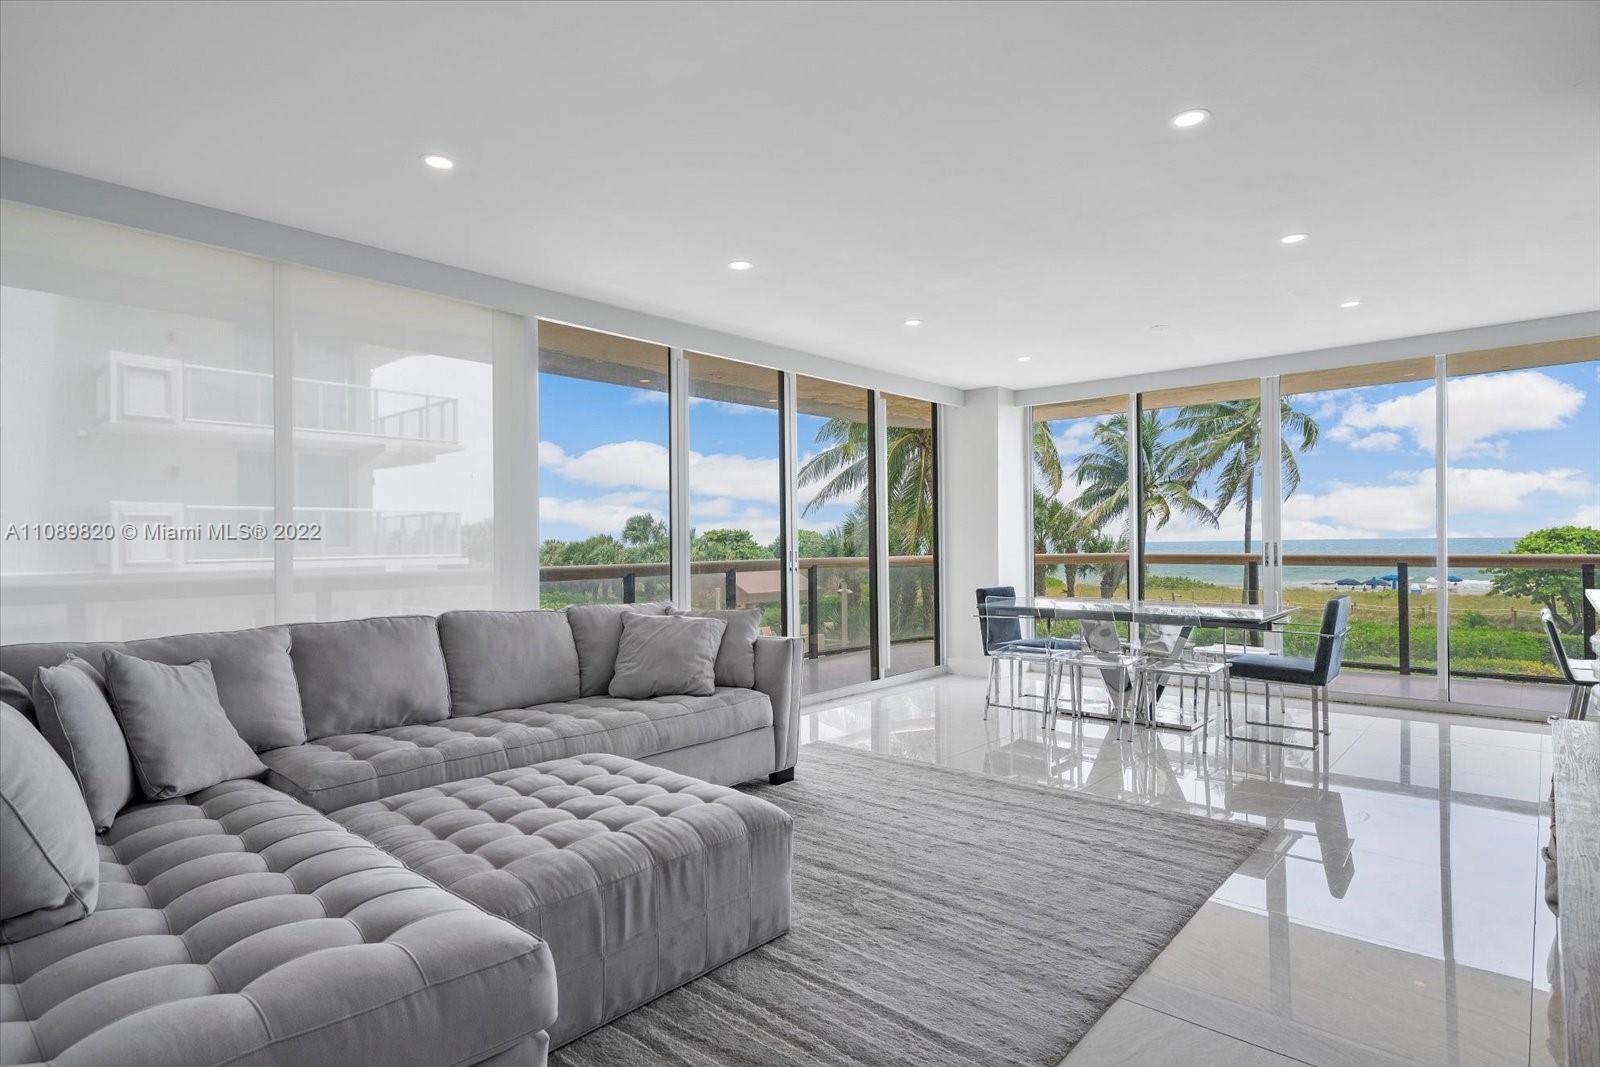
(740, 264)
(1293, 238)
(1023, 359)
(1193, 117)
(644, 381)
(913, 322)
(439, 162)
(1351, 304)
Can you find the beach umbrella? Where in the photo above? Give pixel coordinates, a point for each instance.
(1379, 581)
(1348, 582)
(1391, 577)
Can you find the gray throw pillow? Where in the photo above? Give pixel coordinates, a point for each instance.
(179, 736)
(77, 720)
(50, 875)
(666, 655)
(14, 694)
(508, 659)
(597, 630)
(736, 659)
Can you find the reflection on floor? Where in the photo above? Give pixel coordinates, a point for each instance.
(839, 670)
(1541, 698)
(1394, 913)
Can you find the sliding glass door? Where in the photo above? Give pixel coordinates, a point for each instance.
(1523, 434)
(1358, 517)
(833, 436)
(1459, 560)
(1200, 498)
(736, 488)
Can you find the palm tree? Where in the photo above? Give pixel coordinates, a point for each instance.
(1047, 468)
(1102, 472)
(1056, 528)
(1225, 438)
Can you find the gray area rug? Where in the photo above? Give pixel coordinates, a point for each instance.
(940, 917)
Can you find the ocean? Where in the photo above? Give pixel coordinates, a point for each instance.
(1228, 574)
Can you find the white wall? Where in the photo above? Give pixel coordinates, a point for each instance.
(987, 481)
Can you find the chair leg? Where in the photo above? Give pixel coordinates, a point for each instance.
(1327, 730)
(992, 693)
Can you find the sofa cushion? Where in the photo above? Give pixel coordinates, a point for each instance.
(369, 674)
(665, 655)
(640, 878)
(597, 630)
(335, 772)
(15, 694)
(736, 656)
(508, 659)
(241, 927)
(76, 718)
(254, 675)
(178, 735)
(49, 865)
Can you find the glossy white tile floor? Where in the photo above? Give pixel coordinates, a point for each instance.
(1394, 913)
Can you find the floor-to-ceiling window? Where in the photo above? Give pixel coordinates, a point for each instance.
(1360, 521)
(289, 444)
(911, 485)
(1200, 492)
(1360, 515)
(1080, 498)
(736, 487)
(393, 408)
(604, 468)
(1523, 436)
(833, 440)
(136, 396)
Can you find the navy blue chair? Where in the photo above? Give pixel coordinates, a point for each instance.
(1581, 674)
(1313, 672)
(1003, 642)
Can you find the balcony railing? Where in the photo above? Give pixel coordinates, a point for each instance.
(346, 533)
(1484, 629)
(842, 605)
(223, 396)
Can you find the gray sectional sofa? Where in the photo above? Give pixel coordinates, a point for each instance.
(463, 848)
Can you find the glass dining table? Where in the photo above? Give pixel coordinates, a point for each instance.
(1228, 618)
(1234, 617)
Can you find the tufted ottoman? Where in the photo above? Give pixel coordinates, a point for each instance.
(241, 927)
(638, 878)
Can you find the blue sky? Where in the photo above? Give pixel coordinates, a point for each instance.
(603, 457)
(1524, 453)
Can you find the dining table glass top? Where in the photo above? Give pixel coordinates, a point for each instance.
(1154, 612)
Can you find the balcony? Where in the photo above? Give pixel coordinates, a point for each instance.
(834, 606)
(151, 393)
(1499, 655)
(347, 536)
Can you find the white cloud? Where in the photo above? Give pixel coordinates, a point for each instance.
(1406, 504)
(1588, 515)
(644, 465)
(720, 513)
(741, 477)
(601, 515)
(1483, 408)
(1072, 438)
(1381, 441)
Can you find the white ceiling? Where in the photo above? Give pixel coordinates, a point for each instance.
(1004, 172)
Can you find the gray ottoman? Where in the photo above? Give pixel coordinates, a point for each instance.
(639, 879)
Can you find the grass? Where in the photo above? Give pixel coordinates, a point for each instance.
(1489, 634)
